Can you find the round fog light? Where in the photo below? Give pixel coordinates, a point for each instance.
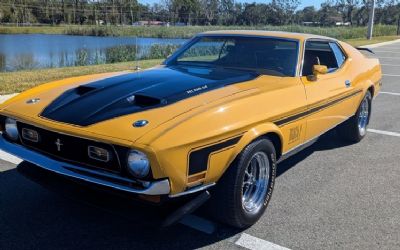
(138, 164)
(11, 129)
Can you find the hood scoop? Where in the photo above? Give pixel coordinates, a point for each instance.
(144, 101)
(85, 105)
(130, 93)
(82, 90)
(69, 97)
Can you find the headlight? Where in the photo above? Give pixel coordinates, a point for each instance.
(11, 129)
(138, 164)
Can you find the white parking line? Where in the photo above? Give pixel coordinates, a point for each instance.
(389, 48)
(388, 57)
(10, 158)
(389, 93)
(382, 132)
(386, 51)
(251, 242)
(390, 75)
(386, 44)
(394, 65)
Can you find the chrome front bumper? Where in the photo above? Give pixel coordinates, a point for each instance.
(149, 188)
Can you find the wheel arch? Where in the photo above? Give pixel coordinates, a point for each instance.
(267, 130)
(368, 86)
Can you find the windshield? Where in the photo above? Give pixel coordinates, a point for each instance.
(271, 56)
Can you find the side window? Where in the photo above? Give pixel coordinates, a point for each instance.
(318, 53)
(340, 57)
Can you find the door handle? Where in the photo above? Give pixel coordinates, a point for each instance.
(347, 83)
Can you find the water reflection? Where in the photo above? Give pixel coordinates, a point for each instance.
(31, 51)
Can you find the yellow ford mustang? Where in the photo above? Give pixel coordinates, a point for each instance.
(220, 111)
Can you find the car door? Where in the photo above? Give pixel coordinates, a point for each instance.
(330, 95)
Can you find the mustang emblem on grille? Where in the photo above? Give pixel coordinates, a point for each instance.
(58, 144)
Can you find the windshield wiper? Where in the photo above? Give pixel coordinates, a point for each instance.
(191, 63)
(255, 70)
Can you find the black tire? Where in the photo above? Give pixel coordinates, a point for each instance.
(226, 199)
(350, 130)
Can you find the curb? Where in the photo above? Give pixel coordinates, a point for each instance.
(376, 45)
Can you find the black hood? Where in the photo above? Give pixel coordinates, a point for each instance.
(134, 92)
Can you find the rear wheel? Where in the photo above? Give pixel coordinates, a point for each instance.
(355, 129)
(244, 191)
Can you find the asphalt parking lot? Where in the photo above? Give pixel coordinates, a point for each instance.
(330, 196)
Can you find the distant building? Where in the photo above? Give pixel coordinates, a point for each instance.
(343, 23)
(150, 23)
(157, 23)
(311, 23)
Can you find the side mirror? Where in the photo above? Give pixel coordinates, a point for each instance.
(317, 70)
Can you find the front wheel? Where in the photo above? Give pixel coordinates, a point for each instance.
(245, 190)
(355, 129)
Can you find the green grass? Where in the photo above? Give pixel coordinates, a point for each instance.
(32, 29)
(12, 82)
(189, 31)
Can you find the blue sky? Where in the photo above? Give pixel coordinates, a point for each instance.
(304, 3)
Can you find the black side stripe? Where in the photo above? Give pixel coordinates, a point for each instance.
(198, 159)
(314, 110)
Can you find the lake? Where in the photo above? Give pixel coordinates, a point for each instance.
(31, 51)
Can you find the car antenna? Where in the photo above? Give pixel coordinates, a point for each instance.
(137, 67)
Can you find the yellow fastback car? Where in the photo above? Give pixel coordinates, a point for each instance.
(214, 117)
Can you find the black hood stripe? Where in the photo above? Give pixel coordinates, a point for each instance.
(135, 92)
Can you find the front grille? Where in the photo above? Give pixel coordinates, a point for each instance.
(69, 148)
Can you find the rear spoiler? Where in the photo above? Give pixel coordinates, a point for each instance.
(365, 49)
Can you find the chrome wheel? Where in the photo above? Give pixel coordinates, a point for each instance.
(363, 117)
(255, 183)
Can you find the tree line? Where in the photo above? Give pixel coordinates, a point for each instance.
(196, 12)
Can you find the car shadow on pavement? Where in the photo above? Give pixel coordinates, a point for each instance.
(33, 217)
(328, 141)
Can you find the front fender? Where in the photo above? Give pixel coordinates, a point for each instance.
(249, 136)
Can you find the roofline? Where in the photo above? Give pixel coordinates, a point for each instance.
(249, 35)
(268, 33)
